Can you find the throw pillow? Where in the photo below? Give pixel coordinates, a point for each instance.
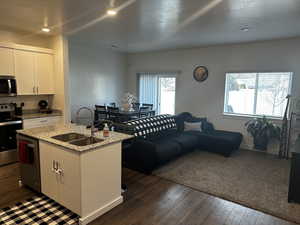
(195, 126)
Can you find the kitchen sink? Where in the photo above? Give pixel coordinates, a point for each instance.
(86, 141)
(68, 137)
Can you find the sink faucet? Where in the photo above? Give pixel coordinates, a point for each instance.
(92, 118)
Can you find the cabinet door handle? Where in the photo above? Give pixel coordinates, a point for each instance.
(53, 166)
(37, 90)
(56, 168)
(59, 172)
(33, 89)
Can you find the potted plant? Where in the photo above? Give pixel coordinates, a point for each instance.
(262, 130)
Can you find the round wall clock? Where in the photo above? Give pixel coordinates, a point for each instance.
(200, 73)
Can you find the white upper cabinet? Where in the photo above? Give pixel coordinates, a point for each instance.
(34, 72)
(6, 61)
(44, 74)
(25, 72)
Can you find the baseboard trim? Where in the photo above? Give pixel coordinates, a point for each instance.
(99, 212)
(255, 150)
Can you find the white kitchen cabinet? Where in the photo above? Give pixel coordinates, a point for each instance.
(25, 72)
(86, 182)
(34, 72)
(6, 61)
(41, 122)
(60, 172)
(49, 178)
(44, 73)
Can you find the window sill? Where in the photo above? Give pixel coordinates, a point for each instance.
(247, 117)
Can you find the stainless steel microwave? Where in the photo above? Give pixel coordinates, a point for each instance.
(8, 86)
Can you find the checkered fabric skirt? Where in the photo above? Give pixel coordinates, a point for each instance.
(38, 210)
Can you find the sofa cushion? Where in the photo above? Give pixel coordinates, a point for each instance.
(161, 134)
(152, 125)
(196, 126)
(187, 141)
(224, 142)
(166, 149)
(188, 117)
(227, 135)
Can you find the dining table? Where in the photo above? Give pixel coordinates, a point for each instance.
(124, 116)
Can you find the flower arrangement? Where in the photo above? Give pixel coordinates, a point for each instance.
(127, 101)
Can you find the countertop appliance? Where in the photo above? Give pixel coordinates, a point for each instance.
(43, 105)
(8, 86)
(8, 127)
(30, 169)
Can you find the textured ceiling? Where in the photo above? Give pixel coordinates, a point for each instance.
(143, 25)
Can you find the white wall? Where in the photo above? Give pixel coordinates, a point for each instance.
(97, 76)
(61, 76)
(207, 99)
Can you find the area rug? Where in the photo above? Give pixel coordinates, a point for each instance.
(38, 210)
(256, 180)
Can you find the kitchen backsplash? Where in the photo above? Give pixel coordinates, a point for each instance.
(31, 101)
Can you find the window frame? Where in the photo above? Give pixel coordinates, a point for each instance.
(241, 115)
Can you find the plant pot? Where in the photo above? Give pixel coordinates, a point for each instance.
(261, 143)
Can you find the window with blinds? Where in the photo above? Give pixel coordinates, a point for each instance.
(158, 89)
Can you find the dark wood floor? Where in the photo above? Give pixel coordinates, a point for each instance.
(10, 192)
(151, 200)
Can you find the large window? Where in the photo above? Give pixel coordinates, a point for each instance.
(158, 89)
(257, 93)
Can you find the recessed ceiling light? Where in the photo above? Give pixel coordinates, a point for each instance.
(111, 12)
(46, 29)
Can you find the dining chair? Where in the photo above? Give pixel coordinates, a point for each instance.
(100, 112)
(144, 112)
(148, 105)
(113, 104)
(113, 113)
(152, 112)
(136, 106)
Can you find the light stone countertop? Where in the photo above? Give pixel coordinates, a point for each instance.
(46, 134)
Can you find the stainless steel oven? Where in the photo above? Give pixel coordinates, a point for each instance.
(8, 132)
(8, 86)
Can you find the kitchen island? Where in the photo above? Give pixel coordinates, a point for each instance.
(80, 173)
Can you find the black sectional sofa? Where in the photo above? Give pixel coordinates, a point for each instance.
(159, 139)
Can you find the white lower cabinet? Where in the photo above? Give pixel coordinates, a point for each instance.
(60, 172)
(87, 183)
(41, 122)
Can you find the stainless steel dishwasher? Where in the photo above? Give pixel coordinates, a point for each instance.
(30, 171)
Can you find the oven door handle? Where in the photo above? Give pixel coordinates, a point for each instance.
(9, 86)
(2, 124)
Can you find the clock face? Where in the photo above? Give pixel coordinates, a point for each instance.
(200, 73)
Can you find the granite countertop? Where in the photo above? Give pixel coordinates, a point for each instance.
(46, 134)
(33, 114)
